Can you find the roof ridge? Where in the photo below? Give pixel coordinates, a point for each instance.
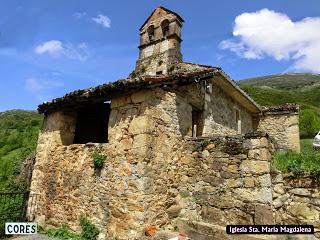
(201, 65)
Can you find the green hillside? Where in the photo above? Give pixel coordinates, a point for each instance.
(297, 81)
(303, 89)
(18, 136)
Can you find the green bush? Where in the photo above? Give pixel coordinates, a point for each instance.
(309, 123)
(18, 138)
(98, 159)
(89, 230)
(63, 233)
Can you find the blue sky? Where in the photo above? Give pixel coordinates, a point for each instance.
(48, 48)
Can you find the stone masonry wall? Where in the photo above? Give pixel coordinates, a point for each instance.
(296, 200)
(169, 186)
(219, 110)
(220, 114)
(154, 174)
(223, 181)
(284, 128)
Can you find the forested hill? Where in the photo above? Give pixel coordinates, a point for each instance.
(303, 89)
(18, 137)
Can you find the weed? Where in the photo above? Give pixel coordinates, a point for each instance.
(89, 230)
(98, 159)
(63, 233)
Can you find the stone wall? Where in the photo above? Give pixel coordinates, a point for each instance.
(151, 178)
(220, 114)
(223, 181)
(296, 200)
(154, 175)
(283, 127)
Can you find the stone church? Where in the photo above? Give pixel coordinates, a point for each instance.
(169, 131)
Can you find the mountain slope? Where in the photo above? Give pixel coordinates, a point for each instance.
(295, 81)
(18, 136)
(303, 89)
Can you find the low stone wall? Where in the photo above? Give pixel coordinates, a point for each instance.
(283, 127)
(296, 200)
(224, 181)
(215, 181)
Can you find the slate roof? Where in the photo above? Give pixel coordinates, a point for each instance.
(183, 73)
(288, 107)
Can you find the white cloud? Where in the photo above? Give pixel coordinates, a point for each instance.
(102, 20)
(269, 33)
(79, 15)
(53, 48)
(57, 49)
(36, 85)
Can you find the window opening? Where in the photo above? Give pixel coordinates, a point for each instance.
(238, 121)
(151, 32)
(165, 27)
(197, 123)
(92, 123)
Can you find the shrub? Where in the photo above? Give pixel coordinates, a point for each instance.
(98, 159)
(63, 233)
(309, 122)
(89, 230)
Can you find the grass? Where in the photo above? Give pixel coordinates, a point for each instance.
(285, 81)
(18, 138)
(89, 231)
(63, 233)
(308, 161)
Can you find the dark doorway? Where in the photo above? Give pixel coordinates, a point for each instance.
(197, 123)
(92, 123)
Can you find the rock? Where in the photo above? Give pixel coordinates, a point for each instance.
(278, 179)
(279, 189)
(210, 146)
(264, 180)
(264, 142)
(233, 183)
(263, 214)
(262, 195)
(174, 211)
(141, 124)
(277, 203)
(302, 210)
(205, 154)
(300, 191)
(284, 197)
(141, 140)
(255, 167)
(126, 143)
(248, 182)
(232, 168)
(225, 174)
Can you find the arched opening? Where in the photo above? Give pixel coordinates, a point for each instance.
(165, 27)
(150, 31)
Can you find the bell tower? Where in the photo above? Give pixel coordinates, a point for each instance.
(160, 39)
